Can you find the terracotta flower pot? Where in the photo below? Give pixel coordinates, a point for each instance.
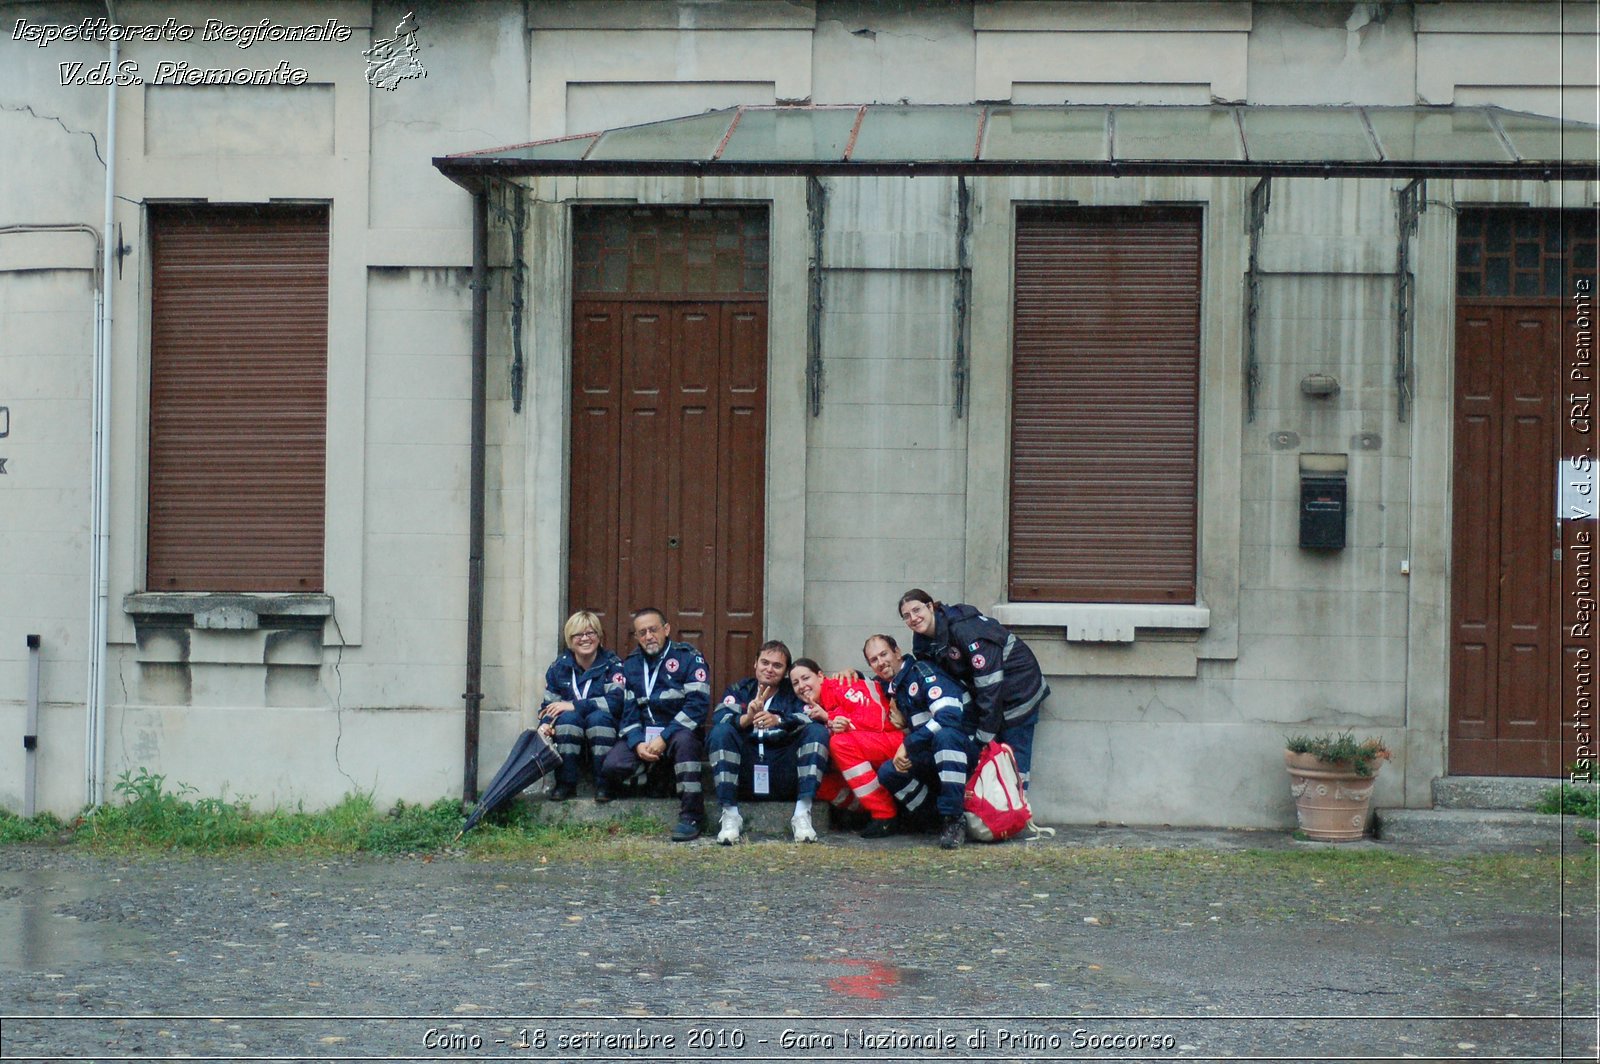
(1330, 800)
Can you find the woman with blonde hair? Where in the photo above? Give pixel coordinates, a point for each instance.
(583, 693)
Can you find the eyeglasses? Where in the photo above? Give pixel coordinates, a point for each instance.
(585, 635)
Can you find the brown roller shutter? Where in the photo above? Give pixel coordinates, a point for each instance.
(238, 398)
(1105, 397)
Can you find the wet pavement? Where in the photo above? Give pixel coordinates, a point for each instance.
(1095, 945)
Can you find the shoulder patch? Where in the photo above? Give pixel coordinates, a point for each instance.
(730, 701)
(974, 646)
(934, 692)
(700, 675)
(954, 653)
(912, 690)
(616, 677)
(978, 661)
(672, 665)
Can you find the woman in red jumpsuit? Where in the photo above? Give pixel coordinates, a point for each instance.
(864, 731)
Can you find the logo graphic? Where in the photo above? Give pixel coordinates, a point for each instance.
(912, 690)
(391, 61)
(617, 678)
(934, 692)
(672, 664)
(700, 675)
(978, 661)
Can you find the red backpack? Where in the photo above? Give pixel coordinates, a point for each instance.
(996, 806)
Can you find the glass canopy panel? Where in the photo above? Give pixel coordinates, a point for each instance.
(570, 148)
(1028, 133)
(679, 139)
(917, 134)
(1538, 137)
(1176, 133)
(792, 134)
(1408, 134)
(1307, 134)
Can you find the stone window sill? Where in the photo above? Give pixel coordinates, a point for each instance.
(230, 610)
(1094, 622)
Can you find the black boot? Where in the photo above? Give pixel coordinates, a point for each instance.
(880, 829)
(954, 833)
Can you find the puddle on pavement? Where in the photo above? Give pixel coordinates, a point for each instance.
(870, 980)
(40, 937)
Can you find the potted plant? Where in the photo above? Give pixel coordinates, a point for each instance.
(1331, 777)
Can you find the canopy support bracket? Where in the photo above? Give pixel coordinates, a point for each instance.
(1260, 202)
(816, 216)
(963, 291)
(1408, 205)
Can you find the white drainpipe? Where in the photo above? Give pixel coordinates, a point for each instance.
(99, 537)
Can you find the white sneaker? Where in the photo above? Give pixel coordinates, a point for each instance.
(803, 831)
(732, 824)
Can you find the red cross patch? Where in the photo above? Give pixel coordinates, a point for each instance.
(672, 664)
(978, 661)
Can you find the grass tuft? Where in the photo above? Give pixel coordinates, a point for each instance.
(151, 815)
(1571, 799)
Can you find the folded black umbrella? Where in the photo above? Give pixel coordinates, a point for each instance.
(531, 758)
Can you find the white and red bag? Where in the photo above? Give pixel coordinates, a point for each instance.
(996, 807)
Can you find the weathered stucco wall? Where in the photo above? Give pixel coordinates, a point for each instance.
(883, 490)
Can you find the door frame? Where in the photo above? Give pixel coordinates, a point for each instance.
(542, 428)
(1430, 631)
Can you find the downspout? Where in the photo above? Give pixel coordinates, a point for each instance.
(99, 534)
(480, 354)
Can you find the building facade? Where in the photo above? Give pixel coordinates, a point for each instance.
(1242, 449)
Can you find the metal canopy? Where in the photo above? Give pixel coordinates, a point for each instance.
(976, 139)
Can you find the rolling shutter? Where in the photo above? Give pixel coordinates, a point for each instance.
(238, 398)
(1105, 395)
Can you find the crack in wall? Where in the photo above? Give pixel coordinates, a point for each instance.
(25, 109)
(338, 702)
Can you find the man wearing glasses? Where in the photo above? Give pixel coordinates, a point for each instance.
(666, 692)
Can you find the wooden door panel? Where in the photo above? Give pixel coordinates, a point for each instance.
(696, 339)
(595, 463)
(1504, 691)
(1474, 586)
(743, 438)
(644, 479)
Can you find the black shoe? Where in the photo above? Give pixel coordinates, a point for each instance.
(602, 793)
(563, 791)
(880, 829)
(954, 833)
(687, 830)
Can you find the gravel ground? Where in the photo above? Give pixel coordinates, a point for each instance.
(1086, 947)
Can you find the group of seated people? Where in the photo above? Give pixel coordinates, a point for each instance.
(882, 745)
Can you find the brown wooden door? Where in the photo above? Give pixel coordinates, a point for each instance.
(1505, 689)
(667, 471)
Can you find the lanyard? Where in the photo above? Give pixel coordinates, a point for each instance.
(651, 674)
(582, 692)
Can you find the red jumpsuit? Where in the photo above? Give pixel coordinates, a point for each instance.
(868, 741)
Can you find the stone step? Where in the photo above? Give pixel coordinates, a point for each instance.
(1485, 830)
(1490, 792)
(762, 820)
